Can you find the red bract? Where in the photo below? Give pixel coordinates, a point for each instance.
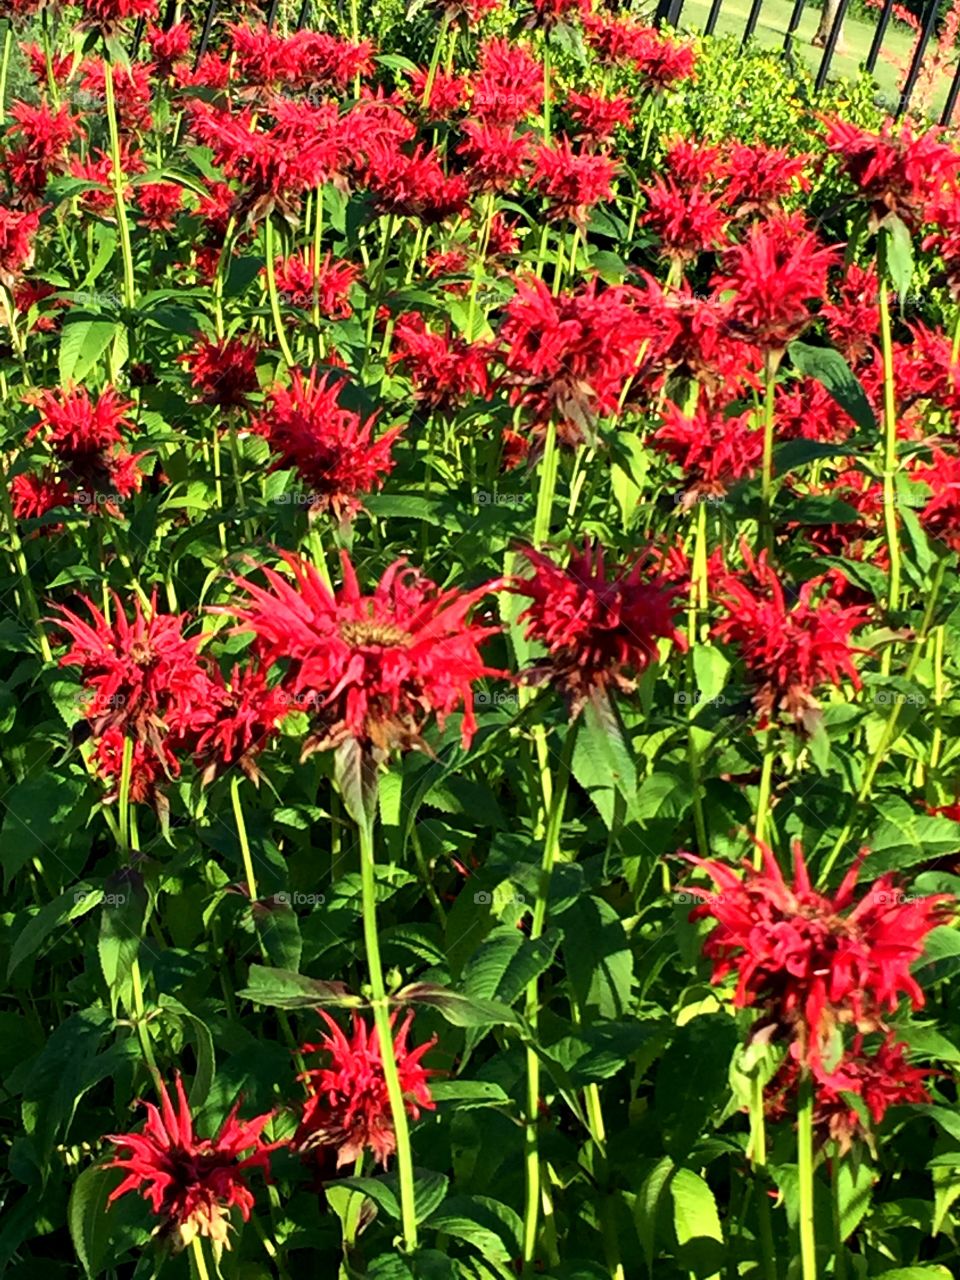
(332, 448)
(941, 515)
(758, 177)
(509, 84)
(373, 668)
(853, 321)
(190, 1183)
(169, 48)
(17, 230)
(713, 447)
(349, 1107)
(159, 203)
(223, 372)
(569, 357)
(40, 139)
(142, 677)
(239, 720)
(600, 624)
(810, 961)
(596, 117)
(299, 281)
(778, 270)
(446, 372)
(571, 182)
(494, 154)
(897, 170)
(414, 185)
(72, 423)
(661, 60)
(789, 649)
(688, 221)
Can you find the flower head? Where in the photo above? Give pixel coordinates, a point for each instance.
(373, 668)
(349, 1107)
(223, 372)
(600, 628)
(191, 1183)
(813, 961)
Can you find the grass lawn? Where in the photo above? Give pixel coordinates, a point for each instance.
(775, 18)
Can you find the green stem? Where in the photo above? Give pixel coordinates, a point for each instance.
(123, 227)
(199, 1263)
(4, 65)
(808, 1242)
(269, 250)
(242, 837)
(839, 1252)
(546, 91)
(889, 461)
(381, 1019)
(548, 485)
(758, 1159)
(766, 475)
(763, 798)
(551, 853)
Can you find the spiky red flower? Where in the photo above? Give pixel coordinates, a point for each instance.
(299, 281)
(223, 372)
(446, 372)
(141, 676)
(757, 177)
(778, 270)
(687, 220)
(414, 185)
(191, 1183)
(600, 624)
(332, 448)
(349, 1107)
(239, 720)
(17, 230)
(597, 117)
(509, 84)
(34, 494)
(897, 170)
(72, 423)
(853, 321)
(169, 48)
(811, 961)
(37, 145)
(572, 182)
(495, 155)
(789, 649)
(881, 1080)
(941, 515)
(373, 668)
(107, 14)
(714, 447)
(159, 203)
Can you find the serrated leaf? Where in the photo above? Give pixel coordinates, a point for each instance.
(829, 368)
(281, 989)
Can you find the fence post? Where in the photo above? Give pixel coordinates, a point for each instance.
(668, 11)
(304, 15)
(830, 46)
(929, 21)
(205, 32)
(878, 35)
(795, 17)
(951, 101)
(752, 19)
(712, 17)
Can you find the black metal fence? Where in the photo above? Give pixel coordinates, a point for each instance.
(671, 13)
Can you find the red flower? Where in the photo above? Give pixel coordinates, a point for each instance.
(223, 372)
(44, 135)
(572, 182)
(107, 14)
(414, 185)
(159, 203)
(941, 515)
(169, 48)
(687, 221)
(298, 280)
(897, 172)
(191, 1183)
(241, 717)
(661, 60)
(17, 230)
(142, 677)
(596, 117)
(774, 274)
(448, 93)
(373, 668)
(789, 649)
(599, 628)
(569, 357)
(811, 961)
(446, 372)
(509, 84)
(714, 448)
(149, 769)
(33, 495)
(72, 423)
(349, 1107)
(854, 320)
(757, 177)
(494, 154)
(332, 449)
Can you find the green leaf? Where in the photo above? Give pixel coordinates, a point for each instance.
(897, 254)
(279, 932)
(492, 1227)
(647, 1207)
(281, 989)
(696, 1223)
(429, 1190)
(87, 1217)
(121, 923)
(203, 1048)
(459, 1009)
(82, 343)
(699, 1054)
(71, 905)
(355, 773)
(41, 811)
(829, 368)
(463, 1095)
(855, 1181)
(598, 958)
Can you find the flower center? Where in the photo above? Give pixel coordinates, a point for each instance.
(357, 634)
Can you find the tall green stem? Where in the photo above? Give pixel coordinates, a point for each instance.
(758, 1159)
(551, 853)
(766, 474)
(123, 227)
(808, 1240)
(269, 250)
(381, 1017)
(242, 837)
(4, 64)
(889, 461)
(548, 485)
